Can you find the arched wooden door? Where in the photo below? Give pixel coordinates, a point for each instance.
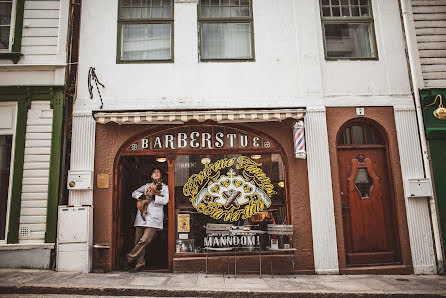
(370, 226)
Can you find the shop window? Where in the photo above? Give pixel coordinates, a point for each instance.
(5, 167)
(226, 29)
(348, 29)
(360, 134)
(244, 191)
(5, 24)
(145, 31)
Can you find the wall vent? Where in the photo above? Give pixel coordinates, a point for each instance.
(24, 232)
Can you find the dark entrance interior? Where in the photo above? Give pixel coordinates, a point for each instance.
(133, 172)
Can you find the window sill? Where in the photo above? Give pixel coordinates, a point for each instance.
(351, 59)
(17, 246)
(144, 61)
(229, 60)
(14, 56)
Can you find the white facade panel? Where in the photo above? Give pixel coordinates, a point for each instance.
(289, 70)
(430, 29)
(43, 46)
(36, 189)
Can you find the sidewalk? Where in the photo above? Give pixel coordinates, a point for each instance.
(29, 281)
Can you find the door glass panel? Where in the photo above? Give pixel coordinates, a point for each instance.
(363, 183)
(5, 165)
(358, 135)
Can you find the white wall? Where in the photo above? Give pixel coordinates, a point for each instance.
(36, 172)
(44, 41)
(289, 69)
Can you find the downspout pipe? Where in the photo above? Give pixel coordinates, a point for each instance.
(412, 52)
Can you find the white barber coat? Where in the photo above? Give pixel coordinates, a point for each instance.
(155, 213)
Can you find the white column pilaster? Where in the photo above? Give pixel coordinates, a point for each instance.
(321, 194)
(417, 209)
(82, 154)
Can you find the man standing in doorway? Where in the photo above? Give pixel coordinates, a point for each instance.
(145, 229)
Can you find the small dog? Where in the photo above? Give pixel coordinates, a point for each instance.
(153, 189)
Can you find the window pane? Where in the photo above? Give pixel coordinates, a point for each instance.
(5, 13)
(156, 12)
(125, 13)
(226, 41)
(358, 135)
(147, 9)
(224, 8)
(326, 12)
(345, 11)
(205, 12)
(227, 198)
(244, 11)
(336, 11)
(5, 22)
(5, 164)
(364, 12)
(146, 42)
(363, 183)
(349, 40)
(369, 134)
(4, 37)
(348, 139)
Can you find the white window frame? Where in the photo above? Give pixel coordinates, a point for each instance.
(10, 131)
(226, 20)
(370, 19)
(11, 29)
(141, 21)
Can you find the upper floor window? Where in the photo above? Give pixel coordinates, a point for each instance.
(348, 29)
(226, 30)
(145, 31)
(5, 24)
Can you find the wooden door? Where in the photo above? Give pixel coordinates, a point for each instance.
(370, 227)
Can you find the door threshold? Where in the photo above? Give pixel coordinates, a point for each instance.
(160, 270)
(381, 269)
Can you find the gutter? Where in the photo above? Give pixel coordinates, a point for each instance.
(70, 95)
(411, 55)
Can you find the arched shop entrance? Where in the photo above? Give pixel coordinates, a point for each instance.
(216, 175)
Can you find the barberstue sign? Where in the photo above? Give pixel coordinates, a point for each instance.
(200, 137)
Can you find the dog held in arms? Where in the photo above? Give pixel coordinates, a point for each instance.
(154, 189)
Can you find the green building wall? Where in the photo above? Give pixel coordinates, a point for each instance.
(436, 135)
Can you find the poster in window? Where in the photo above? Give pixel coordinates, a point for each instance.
(183, 223)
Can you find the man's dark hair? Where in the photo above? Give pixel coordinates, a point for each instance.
(150, 172)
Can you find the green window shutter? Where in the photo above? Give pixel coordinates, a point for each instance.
(17, 176)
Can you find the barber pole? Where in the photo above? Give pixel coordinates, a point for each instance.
(299, 140)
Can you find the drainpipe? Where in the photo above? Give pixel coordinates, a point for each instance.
(411, 53)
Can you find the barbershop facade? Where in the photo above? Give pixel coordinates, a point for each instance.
(278, 137)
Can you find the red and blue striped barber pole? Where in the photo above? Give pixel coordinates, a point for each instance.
(299, 140)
